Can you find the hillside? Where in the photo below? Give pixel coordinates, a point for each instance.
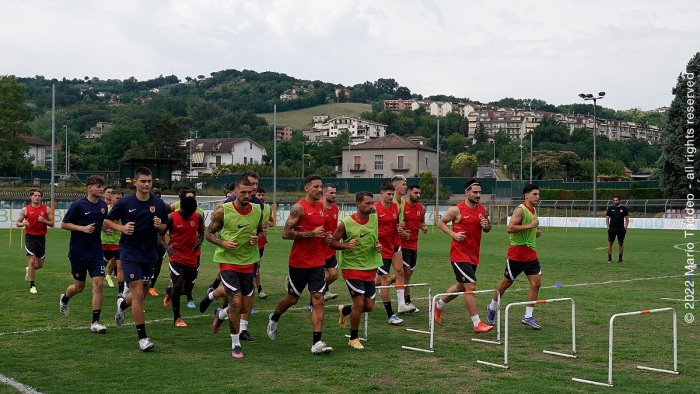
(303, 118)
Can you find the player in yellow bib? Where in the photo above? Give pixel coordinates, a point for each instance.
(357, 238)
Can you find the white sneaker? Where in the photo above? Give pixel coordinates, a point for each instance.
(97, 328)
(63, 308)
(262, 295)
(146, 344)
(320, 347)
(406, 308)
(108, 279)
(271, 328)
(119, 316)
(413, 307)
(329, 296)
(395, 320)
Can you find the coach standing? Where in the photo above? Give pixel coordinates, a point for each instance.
(616, 220)
(144, 216)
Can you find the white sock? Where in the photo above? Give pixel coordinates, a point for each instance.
(440, 304)
(223, 314)
(210, 295)
(475, 320)
(235, 340)
(494, 305)
(244, 325)
(529, 310)
(400, 297)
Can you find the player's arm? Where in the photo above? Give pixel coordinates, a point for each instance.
(338, 235)
(607, 219)
(200, 233)
(22, 219)
(447, 218)
(486, 222)
(421, 223)
(49, 218)
(294, 215)
(216, 224)
(627, 218)
(270, 220)
(89, 229)
(516, 222)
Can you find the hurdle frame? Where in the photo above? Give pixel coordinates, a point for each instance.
(507, 315)
(366, 314)
(610, 347)
(431, 322)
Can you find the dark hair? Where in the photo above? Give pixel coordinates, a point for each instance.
(33, 190)
(94, 180)
(327, 185)
(117, 191)
(250, 174)
(386, 186)
(311, 178)
(359, 196)
(616, 196)
(261, 190)
(468, 184)
(411, 187)
(231, 187)
(530, 187)
(108, 188)
(243, 181)
(188, 205)
(184, 191)
(142, 171)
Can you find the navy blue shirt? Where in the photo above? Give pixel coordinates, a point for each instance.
(253, 199)
(84, 213)
(139, 247)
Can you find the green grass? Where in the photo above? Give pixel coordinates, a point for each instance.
(57, 357)
(303, 118)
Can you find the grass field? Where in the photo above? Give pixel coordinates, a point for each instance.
(41, 349)
(303, 118)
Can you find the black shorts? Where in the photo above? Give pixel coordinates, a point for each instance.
(385, 269)
(410, 257)
(235, 282)
(514, 268)
(110, 254)
(332, 262)
(361, 288)
(616, 232)
(79, 267)
(134, 270)
(187, 273)
(464, 272)
(35, 245)
(299, 278)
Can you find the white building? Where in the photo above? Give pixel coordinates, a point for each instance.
(360, 130)
(37, 150)
(210, 153)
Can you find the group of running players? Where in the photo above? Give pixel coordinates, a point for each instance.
(111, 232)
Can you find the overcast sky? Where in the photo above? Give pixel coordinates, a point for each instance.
(484, 50)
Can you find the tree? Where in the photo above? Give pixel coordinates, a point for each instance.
(480, 134)
(427, 185)
(464, 165)
(550, 130)
(678, 151)
(14, 116)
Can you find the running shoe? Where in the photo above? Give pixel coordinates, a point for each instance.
(119, 316)
(355, 344)
(167, 301)
(329, 296)
(320, 347)
(63, 308)
(394, 320)
(272, 328)
(180, 323)
(262, 295)
(33, 290)
(437, 314)
(204, 303)
(191, 304)
(146, 344)
(153, 292)
(245, 336)
(530, 321)
(341, 318)
(237, 352)
(109, 280)
(97, 328)
(406, 308)
(216, 322)
(482, 328)
(490, 315)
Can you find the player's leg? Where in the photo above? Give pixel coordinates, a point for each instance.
(176, 276)
(621, 243)
(156, 272)
(79, 274)
(534, 276)
(256, 280)
(97, 272)
(397, 265)
(109, 269)
(611, 239)
(331, 275)
(409, 264)
(234, 312)
(120, 277)
(247, 301)
(297, 279)
(470, 302)
(317, 287)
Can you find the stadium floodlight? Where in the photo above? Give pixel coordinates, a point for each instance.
(586, 97)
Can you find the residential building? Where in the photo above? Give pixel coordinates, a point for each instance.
(210, 153)
(37, 150)
(360, 130)
(98, 130)
(384, 157)
(283, 133)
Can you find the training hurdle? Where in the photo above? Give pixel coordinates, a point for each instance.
(366, 315)
(610, 347)
(431, 322)
(573, 331)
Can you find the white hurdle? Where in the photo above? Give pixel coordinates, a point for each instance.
(610, 347)
(366, 315)
(573, 332)
(431, 321)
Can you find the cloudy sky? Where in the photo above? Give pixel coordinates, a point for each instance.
(484, 50)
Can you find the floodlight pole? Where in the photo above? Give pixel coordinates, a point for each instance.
(437, 180)
(586, 97)
(274, 154)
(53, 143)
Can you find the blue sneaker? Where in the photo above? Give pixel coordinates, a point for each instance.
(191, 305)
(490, 316)
(530, 321)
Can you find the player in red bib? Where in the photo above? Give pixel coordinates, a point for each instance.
(305, 226)
(35, 218)
(414, 221)
(330, 212)
(389, 230)
(469, 219)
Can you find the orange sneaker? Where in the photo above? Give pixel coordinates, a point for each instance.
(181, 323)
(437, 314)
(482, 328)
(167, 301)
(153, 292)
